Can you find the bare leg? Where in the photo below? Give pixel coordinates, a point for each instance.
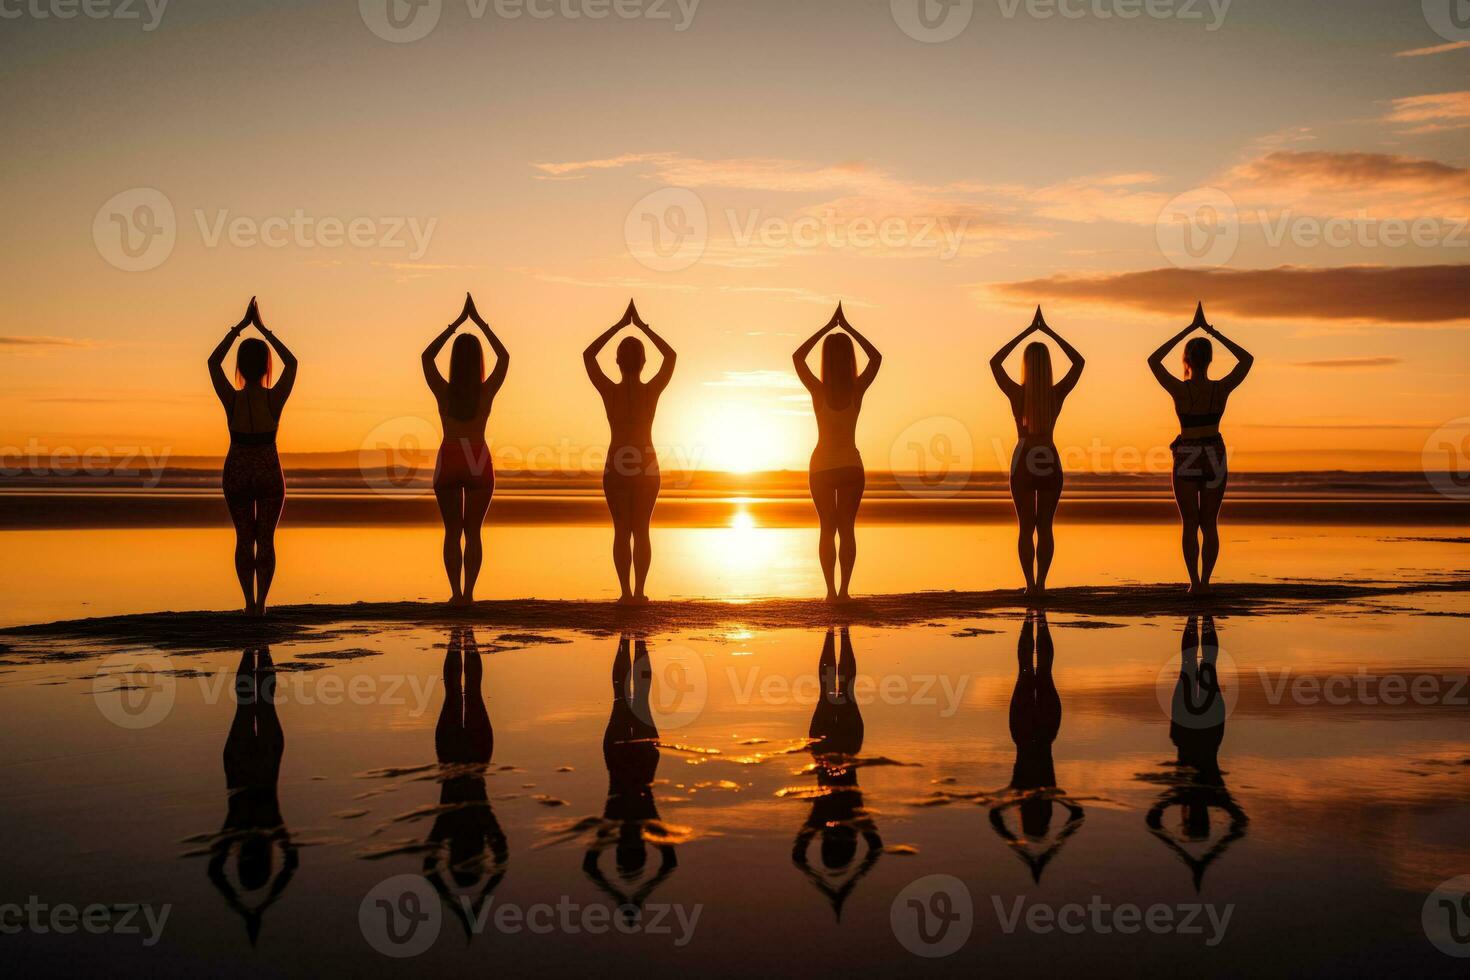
(476, 504)
(1025, 502)
(242, 512)
(1046, 543)
(267, 515)
(1186, 495)
(848, 500)
(1209, 523)
(451, 509)
(620, 506)
(644, 497)
(826, 503)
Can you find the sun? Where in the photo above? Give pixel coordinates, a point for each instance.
(744, 439)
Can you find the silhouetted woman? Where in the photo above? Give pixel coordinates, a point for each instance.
(1196, 784)
(253, 829)
(464, 475)
(255, 488)
(630, 820)
(630, 477)
(837, 475)
(838, 816)
(1036, 467)
(1035, 719)
(469, 850)
(1200, 471)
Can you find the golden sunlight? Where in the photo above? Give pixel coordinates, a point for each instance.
(745, 438)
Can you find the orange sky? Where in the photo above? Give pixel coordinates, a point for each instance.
(806, 152)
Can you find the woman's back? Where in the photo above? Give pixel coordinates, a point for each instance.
(630, 407)
(472, 427)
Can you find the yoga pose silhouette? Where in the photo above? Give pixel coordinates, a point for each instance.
(1035, 719)
(1194, 783)
(468, 852)
(839, 822)
(254, 830)
(837, 475)
(254, 486)
(464, 475)
(1200, 471)
(630, 478)
(1036, 467)
(630, 821)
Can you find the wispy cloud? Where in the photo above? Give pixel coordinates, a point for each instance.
(1350, 363)
(1432, 113)
(755, 379)
(45, 342)
(1377, 185)
(1435, 49)
(1371, 294)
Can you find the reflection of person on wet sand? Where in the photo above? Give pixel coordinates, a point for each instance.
(1197, 729)
(253, 828)
(1036, 717)
(630, 819)
(465, 828)
(837, 815)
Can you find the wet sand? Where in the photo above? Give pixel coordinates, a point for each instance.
(22, 510)
(221, 630)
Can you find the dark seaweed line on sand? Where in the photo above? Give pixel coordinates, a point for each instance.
(222, 630)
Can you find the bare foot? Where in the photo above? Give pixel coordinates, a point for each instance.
(831, 597)
(625, 600)
(456, 600)
(639, 599)
(844, 596)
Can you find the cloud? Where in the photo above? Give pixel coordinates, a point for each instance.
(755, 379)
(1377, 185)
(841, 200)
(1436, 49)
(1351, 362)
(1432, 113)
(1374, 294)
(42, 342)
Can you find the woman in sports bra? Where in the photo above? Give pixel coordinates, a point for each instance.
(1200, 471)
(837, 475)
(630, 477)
(1036, 467)
(464, 475)
(254, 486)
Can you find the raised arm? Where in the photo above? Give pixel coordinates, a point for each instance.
(875, 357)
(502, 356)
(1243, 360)
(436, 381)
(599, 378)
(1068, 382)
(669, 356)
(223, 390)
(281, 390)
(1156, 360)
(803, 369)
(998, 362)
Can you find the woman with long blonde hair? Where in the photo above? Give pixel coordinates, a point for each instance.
(1036, 467)
(837, 474)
